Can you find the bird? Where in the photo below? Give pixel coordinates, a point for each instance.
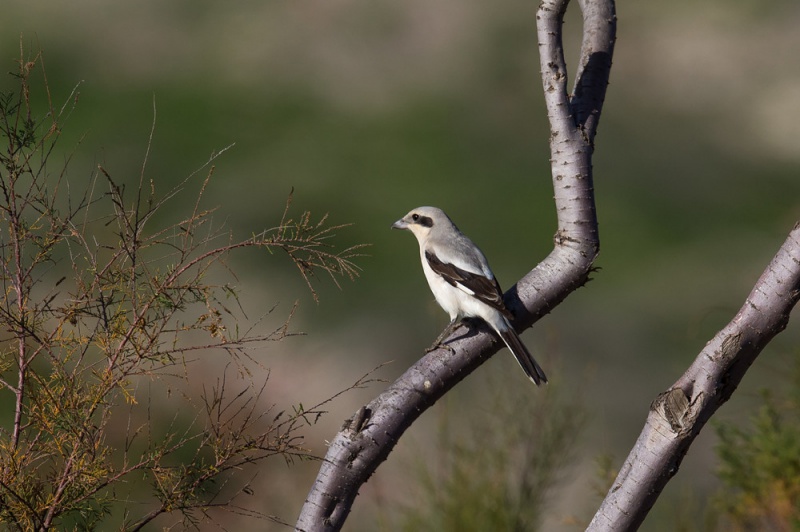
(462, 281)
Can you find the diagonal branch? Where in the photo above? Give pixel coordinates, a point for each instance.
(368, 437)
(677, 415)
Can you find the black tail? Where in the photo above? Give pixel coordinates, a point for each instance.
(523, 356)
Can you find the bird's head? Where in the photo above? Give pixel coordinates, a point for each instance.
(422, 220)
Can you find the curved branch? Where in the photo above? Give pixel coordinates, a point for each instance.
(368, 437)
(677, 415)
(595, 65)
(549, 25)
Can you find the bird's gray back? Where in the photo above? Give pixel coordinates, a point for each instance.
(459, 250)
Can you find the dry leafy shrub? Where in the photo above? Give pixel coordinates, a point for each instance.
(101, 308)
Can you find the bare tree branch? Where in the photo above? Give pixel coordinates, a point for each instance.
(677, 415)
(367, 438)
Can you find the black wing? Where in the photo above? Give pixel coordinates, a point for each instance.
(485, 289)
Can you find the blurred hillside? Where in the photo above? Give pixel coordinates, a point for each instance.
(368, 108)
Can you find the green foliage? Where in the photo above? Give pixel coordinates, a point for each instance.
(100, 300)
(497, 476)
(760, 466)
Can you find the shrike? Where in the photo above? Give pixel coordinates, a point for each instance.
(462, 282)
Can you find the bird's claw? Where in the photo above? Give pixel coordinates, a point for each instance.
(439, 345)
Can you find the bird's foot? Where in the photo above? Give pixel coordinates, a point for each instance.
(445, 333)
(439, 345)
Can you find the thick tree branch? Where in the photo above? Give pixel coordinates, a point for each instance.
(369, 436)
(677, 415)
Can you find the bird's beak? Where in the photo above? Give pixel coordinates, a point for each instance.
(400, 224)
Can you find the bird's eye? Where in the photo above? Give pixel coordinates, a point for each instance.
(415, 217)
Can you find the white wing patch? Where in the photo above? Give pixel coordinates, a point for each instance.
(464, 288)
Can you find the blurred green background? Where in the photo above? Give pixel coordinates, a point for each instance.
(368, 108)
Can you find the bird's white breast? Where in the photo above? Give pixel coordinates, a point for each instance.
(457, 302)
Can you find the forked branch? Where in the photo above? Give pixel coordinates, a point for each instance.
(367, 438)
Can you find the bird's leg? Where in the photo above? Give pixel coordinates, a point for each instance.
(445, 333)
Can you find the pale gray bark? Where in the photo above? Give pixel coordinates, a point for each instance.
(677, 415)
(369, 436)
